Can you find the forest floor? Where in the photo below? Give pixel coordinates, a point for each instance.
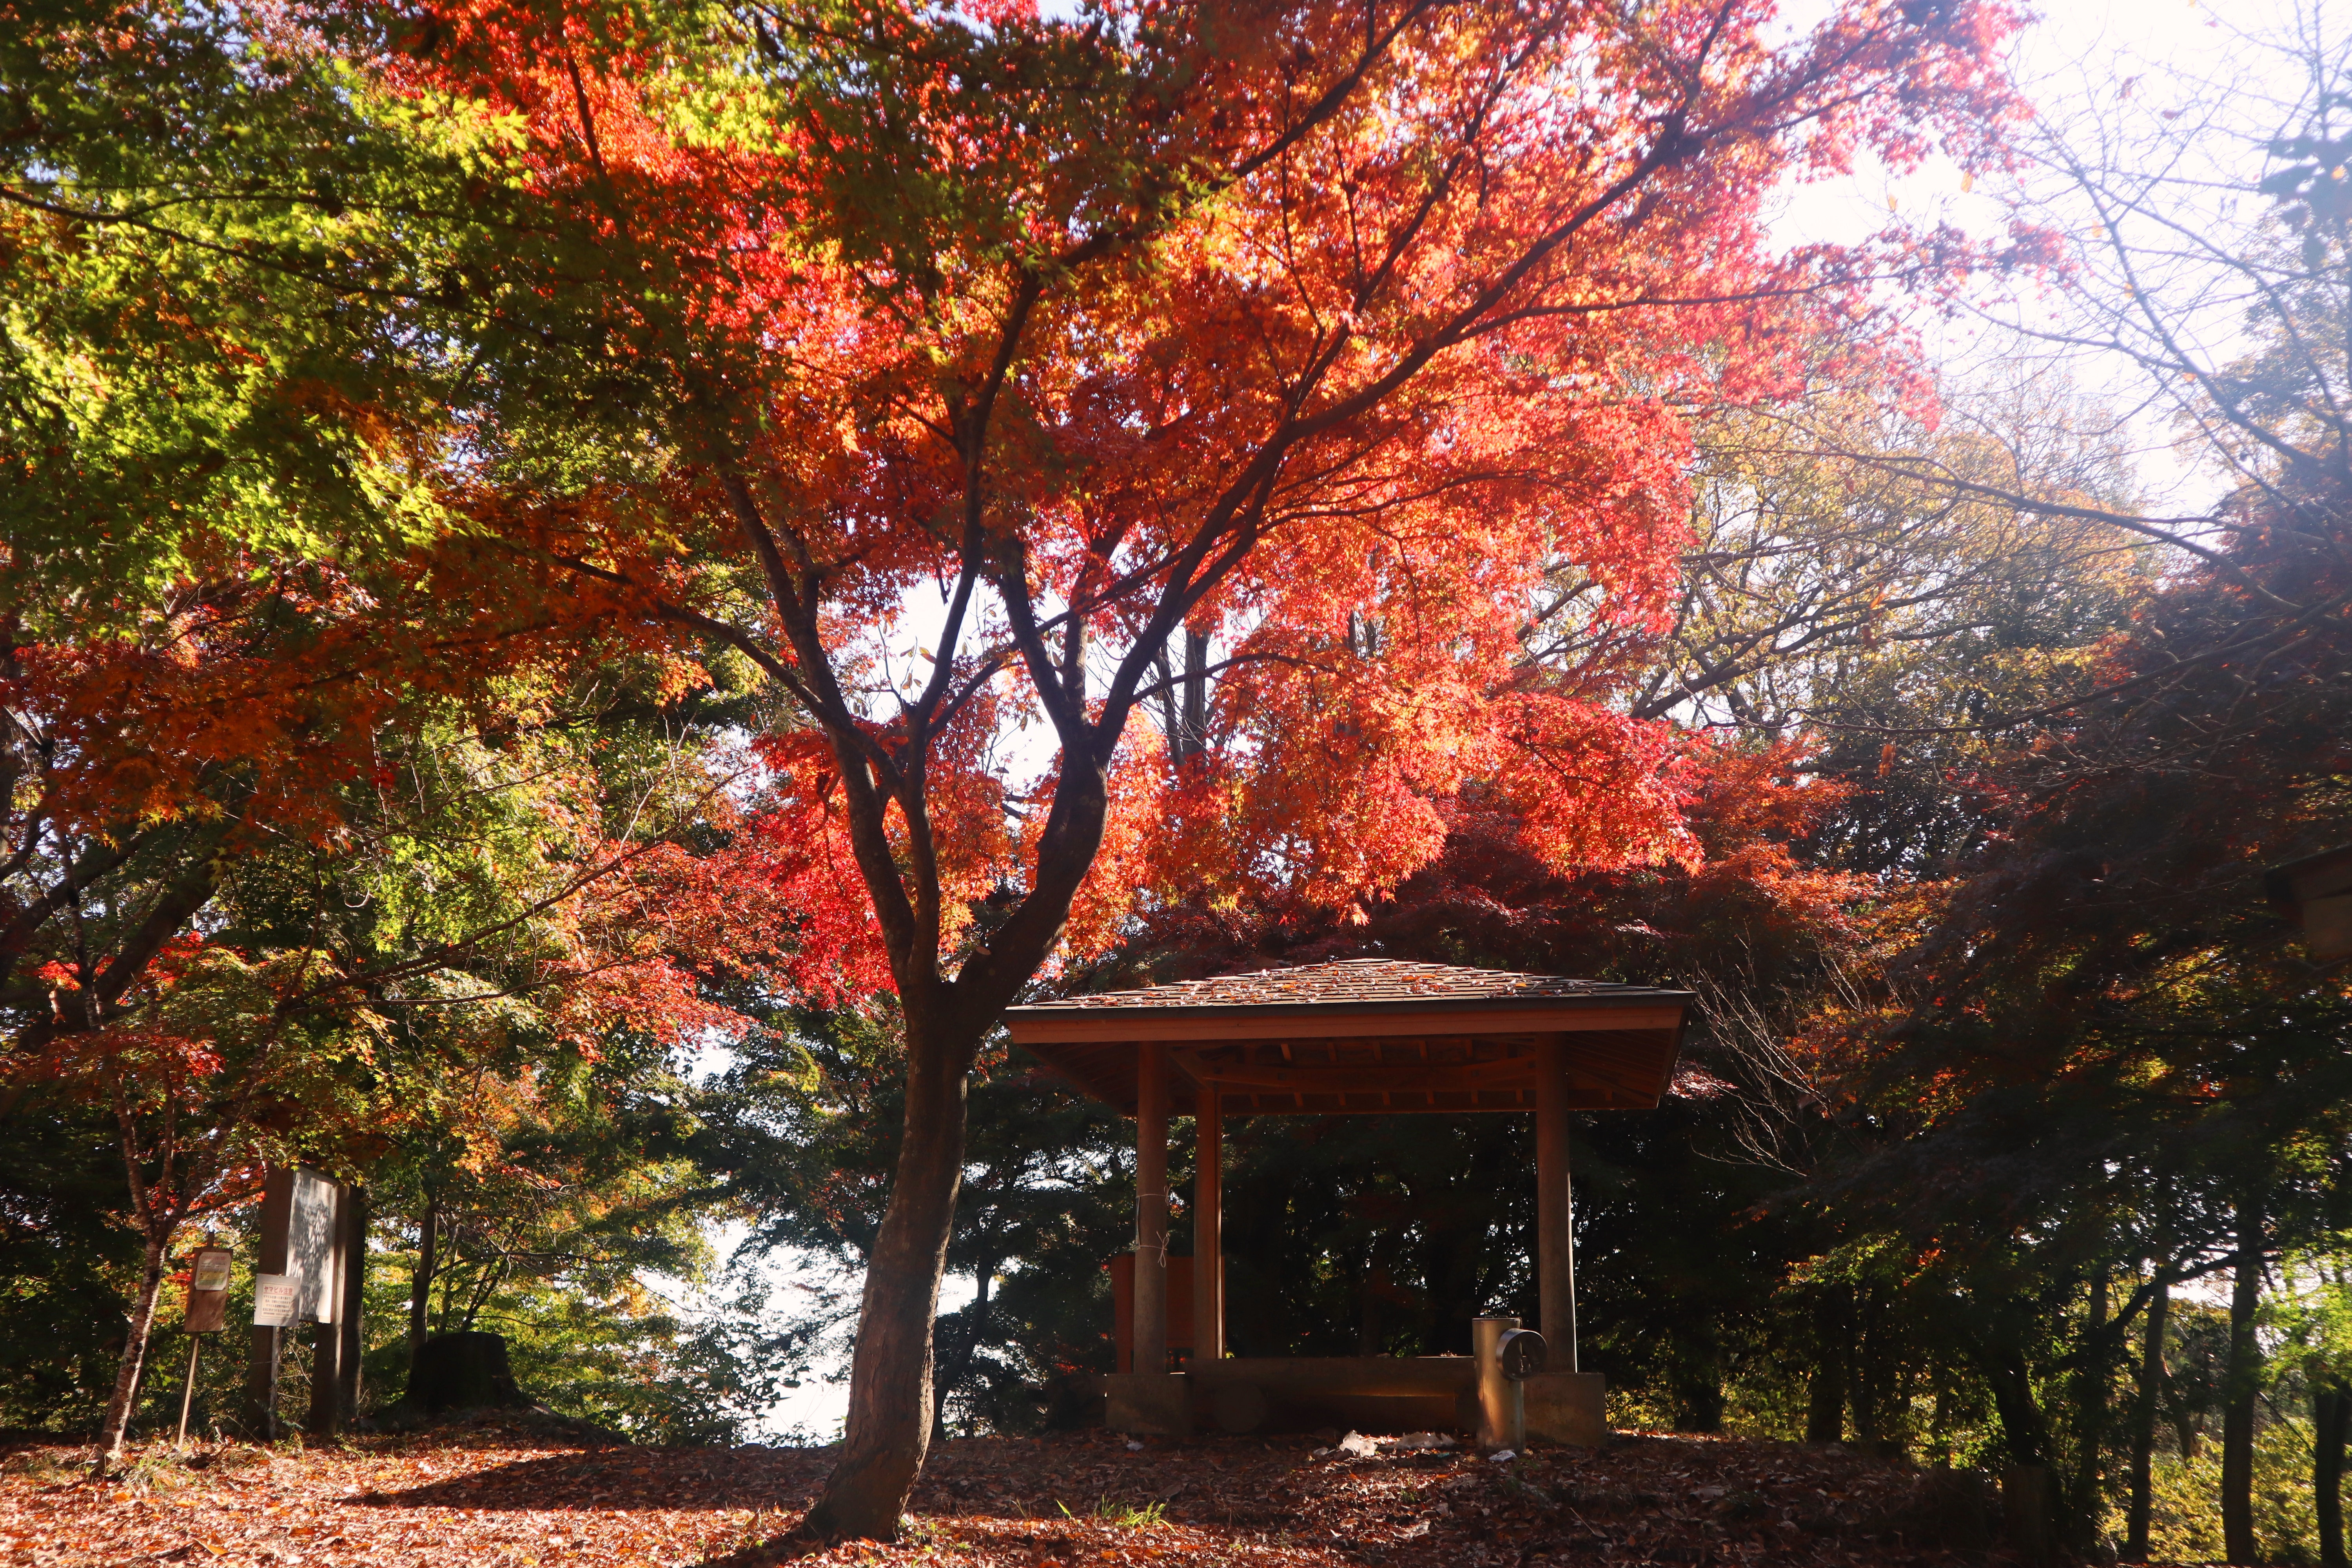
(492, 1495)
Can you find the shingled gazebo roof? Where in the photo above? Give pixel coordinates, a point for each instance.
(1366, 1036)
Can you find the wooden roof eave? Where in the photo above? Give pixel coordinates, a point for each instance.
(1631, 1071)
(1053, 1024)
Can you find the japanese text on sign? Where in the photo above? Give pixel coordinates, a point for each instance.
(274, 1300)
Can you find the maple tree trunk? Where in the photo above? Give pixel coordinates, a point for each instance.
(114, 1431)
(2144, 1415)
(2238, 1410)
(891, 1387)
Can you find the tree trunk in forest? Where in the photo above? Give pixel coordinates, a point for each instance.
(420, 1279)
(1185, 701)
(1450, 1258)
(351, 1323)
(2146, 1398)
(115, 1428)
(891, 1387)
(1196, 691)
(2083, 1488)
(1825, 1397)
(1370, 1320)
(966, 1352)
(2022, 1425)
(2331, 1411)
(1440, 1250)
(1825, 1401)
(1698, 1379)
(2242, 1386)
(1865, 1406)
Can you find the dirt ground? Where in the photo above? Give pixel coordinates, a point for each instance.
(489, 1495)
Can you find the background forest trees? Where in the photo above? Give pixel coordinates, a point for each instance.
(403, 796)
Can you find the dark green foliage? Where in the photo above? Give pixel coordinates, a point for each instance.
(67, 1268)
(800, 1133)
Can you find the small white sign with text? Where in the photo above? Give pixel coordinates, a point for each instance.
(275, 1297)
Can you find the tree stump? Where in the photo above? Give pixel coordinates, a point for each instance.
(1946, 1508)
(2029, 1510)
(462, 1371)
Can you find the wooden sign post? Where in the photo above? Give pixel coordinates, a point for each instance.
(269, 1330)
(309, 1225)
(208, 1274)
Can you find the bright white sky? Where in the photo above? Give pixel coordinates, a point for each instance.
(2076, 53)
(2124, 64)
(2076, 47)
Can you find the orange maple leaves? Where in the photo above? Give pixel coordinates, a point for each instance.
(1334, 336)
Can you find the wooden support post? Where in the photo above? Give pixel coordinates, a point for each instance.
(336, 1347)
(1208, 1228)
(1151, 1207)
(327, 1337)
(269, 1345)
(1502, 1403)
(188, 1391)
(1554, 1220)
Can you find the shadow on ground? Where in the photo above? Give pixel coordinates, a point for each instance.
(625, 1479)
(1039, 1544)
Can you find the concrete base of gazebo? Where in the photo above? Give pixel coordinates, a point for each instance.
(1567, 1408)
(1372, 1394)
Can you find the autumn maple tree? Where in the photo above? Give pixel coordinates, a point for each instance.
(974, 373)
(285, 771)
(261, 878)
(314, 808)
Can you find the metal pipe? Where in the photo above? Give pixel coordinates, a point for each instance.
(1502, 1403)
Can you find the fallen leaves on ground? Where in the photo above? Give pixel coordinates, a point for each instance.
(491, 1495)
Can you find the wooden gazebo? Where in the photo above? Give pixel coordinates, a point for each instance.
(1369, 1037)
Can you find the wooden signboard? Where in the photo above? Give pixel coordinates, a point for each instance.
(208, 1290)
(309, 1268)
(310, 1253)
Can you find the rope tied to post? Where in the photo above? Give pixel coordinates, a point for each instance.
(1142, 1200)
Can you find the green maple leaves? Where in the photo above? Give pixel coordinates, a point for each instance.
(226, 336)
